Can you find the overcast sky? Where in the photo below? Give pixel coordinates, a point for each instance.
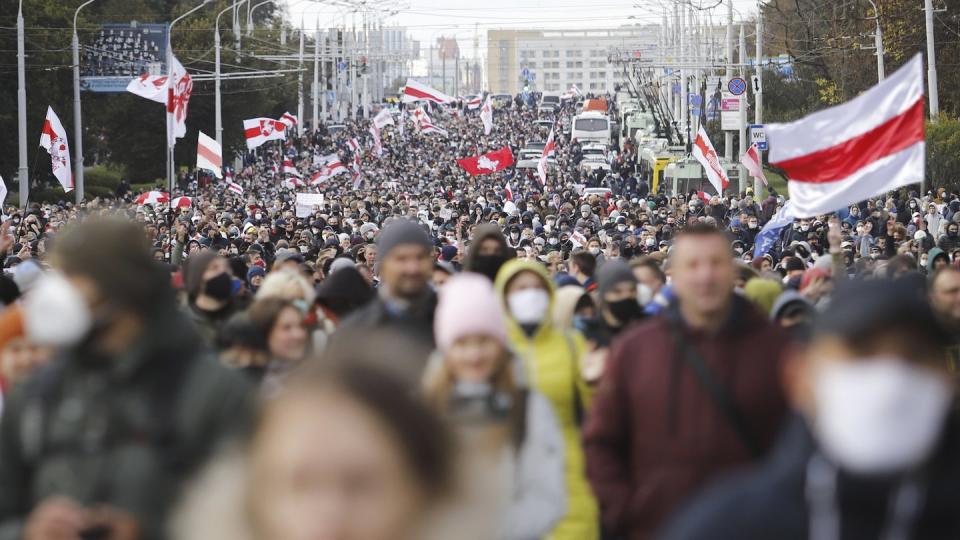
(428, 19)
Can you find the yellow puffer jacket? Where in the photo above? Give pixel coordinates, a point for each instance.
(552, 361)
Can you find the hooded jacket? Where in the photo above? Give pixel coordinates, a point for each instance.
(552, 360)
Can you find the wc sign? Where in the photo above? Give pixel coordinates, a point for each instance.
(758, 136)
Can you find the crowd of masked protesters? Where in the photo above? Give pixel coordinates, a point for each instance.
(433, 355)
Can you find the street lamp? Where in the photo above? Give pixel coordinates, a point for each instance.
(250, 16)
(77, 117)
(22, 173)
(170, 139)
(216, 41)
(878, 37)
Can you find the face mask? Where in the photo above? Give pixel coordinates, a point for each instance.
(529, 306)
(923, 261)
(804, 228)
(621, 228)
(878, 415)
(258, 216)
(487, 265)
(584, 214)
(219, 287)
(553, 241)
(594, 251)
(752, 225)
(55, 314)
(625, 310)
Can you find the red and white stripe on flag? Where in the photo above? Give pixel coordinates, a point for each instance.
(152, 87)
(704, 153)
(474, 103)
(508, 191)
(542, 165)
(289, 120)
(53, 139)
(383, 118)
(870, 145)
(152, 197)
(430, 128)
(261, 130)
(415, 91)
(209, 155)
(290, 168)
(234, 187)
(751, 160)
(179, 88)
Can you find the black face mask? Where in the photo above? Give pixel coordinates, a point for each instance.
(488, 265)
(219, 287)
(625, 310)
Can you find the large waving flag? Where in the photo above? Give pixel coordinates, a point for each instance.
(152, 87)
(486, 116)
(542, 164)
(771, 231)
(261, 130)
(209, 155)
(415, 91)
(383, 118)
(53, 139)
(487, 163)
(704, 153)
(178, 97)
(870, 145)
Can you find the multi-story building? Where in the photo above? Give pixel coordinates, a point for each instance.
(554, 60)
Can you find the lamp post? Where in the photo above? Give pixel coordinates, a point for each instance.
(216, 41)
(250, 16)
(878, 37)
(77, 116)
(171, 141)
(22, 172)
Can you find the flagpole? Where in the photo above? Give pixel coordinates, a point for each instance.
(77, 117)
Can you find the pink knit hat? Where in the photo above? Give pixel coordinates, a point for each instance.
(468, 306)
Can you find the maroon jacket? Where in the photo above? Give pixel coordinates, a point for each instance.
(654, 436)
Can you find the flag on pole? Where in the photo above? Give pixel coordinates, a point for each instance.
(751, 160)
(53, 139)
(486, 115)
(870, 145)
(427, 128)
(707, 156)
(209, 155)
(234, 187)
(377, 145)
(771, 230)
(474, 103)
(420, 117)
(508, 191)
(290, 168)
(261, 130)
(289, 120)
(415, 91)
(178, 97)
(383, 118)
(152, 87)
(487, 163)
(542, 164)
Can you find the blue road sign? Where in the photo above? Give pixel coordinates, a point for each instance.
(737, 86)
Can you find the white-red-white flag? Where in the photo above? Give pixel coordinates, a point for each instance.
(704, 153)
(427, 128)
(209, 155)
(333, 168)
(474, 103)
(152, 87)
(486, 116)
(289, 120)
(870, 145)
(377, 144)
(383, 118)
(53, 139)
(751, 160)
(415, 91)
(152, 197)
(261, 130)
(508, 191)
(179, 88)
(542, 165)
(290, 169)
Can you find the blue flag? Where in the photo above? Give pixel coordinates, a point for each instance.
(771, 231)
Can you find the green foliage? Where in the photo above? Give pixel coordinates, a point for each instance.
(943, 152)
(102, 176)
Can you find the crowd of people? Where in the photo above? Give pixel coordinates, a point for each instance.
(428, 354)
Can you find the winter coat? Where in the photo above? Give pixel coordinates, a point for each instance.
(125, 432)
(416, 321)
(552, 360)
(655, 435)
(769, 501)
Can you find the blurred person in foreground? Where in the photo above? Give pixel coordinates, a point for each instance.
(345, 451)
(98, 443)
(511, 444)
(552, 359)
(686, 396)
(945, 299)
(873, 450)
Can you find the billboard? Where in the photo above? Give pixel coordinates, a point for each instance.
(121, 52)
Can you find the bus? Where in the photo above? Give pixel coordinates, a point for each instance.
(591, 126)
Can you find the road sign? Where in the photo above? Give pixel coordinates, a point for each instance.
(737, 86)
(730, 119)
(758, 136)
(756, 84)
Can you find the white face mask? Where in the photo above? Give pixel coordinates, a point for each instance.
(55, 314)
(594, 251)
(879, 415)
(644, 294)
(528, 306)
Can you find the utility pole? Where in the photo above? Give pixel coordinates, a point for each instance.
(758, 95)
(728, 135)
(323, 75)
(77, 116)
(22, 174)
(316, 75)
(300, 108)
(365, 72)
(684, 99)
(932, 94)
(741, 172)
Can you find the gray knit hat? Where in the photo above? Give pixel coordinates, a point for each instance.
(611, 273)
(400, 232)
